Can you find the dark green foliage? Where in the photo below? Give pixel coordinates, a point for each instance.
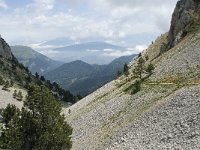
(82, 78)
(119, 73)
(6, 86)
(1, 80)
(29, 78)
(15, 94)
(136, 87)
(19, 96)
(42, 78)
(9, 113)
(37, 75)
(126, 69)
(195, 27)
(150, 68)
(21, 66)
(139, 69)
(38, 125)
(11, 83)
(79, 96)
(14, 71)
(60, 92)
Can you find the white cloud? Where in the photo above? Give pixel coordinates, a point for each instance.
(140, 48)
(92, 50)
(50, 53)
(109, 20)
(3, 4)
(129, 51)
(108, 50)
(40, 47)
(45, 4)
(118, 53)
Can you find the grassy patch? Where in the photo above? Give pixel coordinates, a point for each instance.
(128, 88)
(195, 27)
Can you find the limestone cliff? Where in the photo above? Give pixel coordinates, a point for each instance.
(186, 14)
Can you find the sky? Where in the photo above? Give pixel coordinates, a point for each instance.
(129, 23)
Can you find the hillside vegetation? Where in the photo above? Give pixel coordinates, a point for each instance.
(83, 78)
(30, 108)
(35, 61)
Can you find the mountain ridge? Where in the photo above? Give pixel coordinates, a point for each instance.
(82, 78)
(34, 60)
(90, 52)
(90, 46)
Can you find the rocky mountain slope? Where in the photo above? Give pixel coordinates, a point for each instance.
(14, 76)
(83, 78)
(35, 61)
(164, 114)
(11, 71)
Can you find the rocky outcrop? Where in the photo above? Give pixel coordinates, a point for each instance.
(185, 15)
(5, 50)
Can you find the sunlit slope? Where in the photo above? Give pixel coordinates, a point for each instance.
(163, 114)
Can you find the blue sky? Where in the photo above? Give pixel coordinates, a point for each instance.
(123, 22)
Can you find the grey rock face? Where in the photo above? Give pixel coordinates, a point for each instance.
(182, 19)
(5, 50)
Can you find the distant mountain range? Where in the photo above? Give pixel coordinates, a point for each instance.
(82, 78)
(89, 52)
(35, 61)
(77, 76)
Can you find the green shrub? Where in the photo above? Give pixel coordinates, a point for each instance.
(2, 80)
(15, 94)
(6, 86)
(150, 68)
(19, 96)
(136, 87)
(126, 72)
(38, 125)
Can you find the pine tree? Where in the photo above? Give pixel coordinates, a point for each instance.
(19, 96)
(6, 86)
(15, 94)
(150, 68)
(126, 69)
(42, 78)
(1, 80)
(136, 87)
(39, 125)
(119, 73)
(37, 75)
(140, 68)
